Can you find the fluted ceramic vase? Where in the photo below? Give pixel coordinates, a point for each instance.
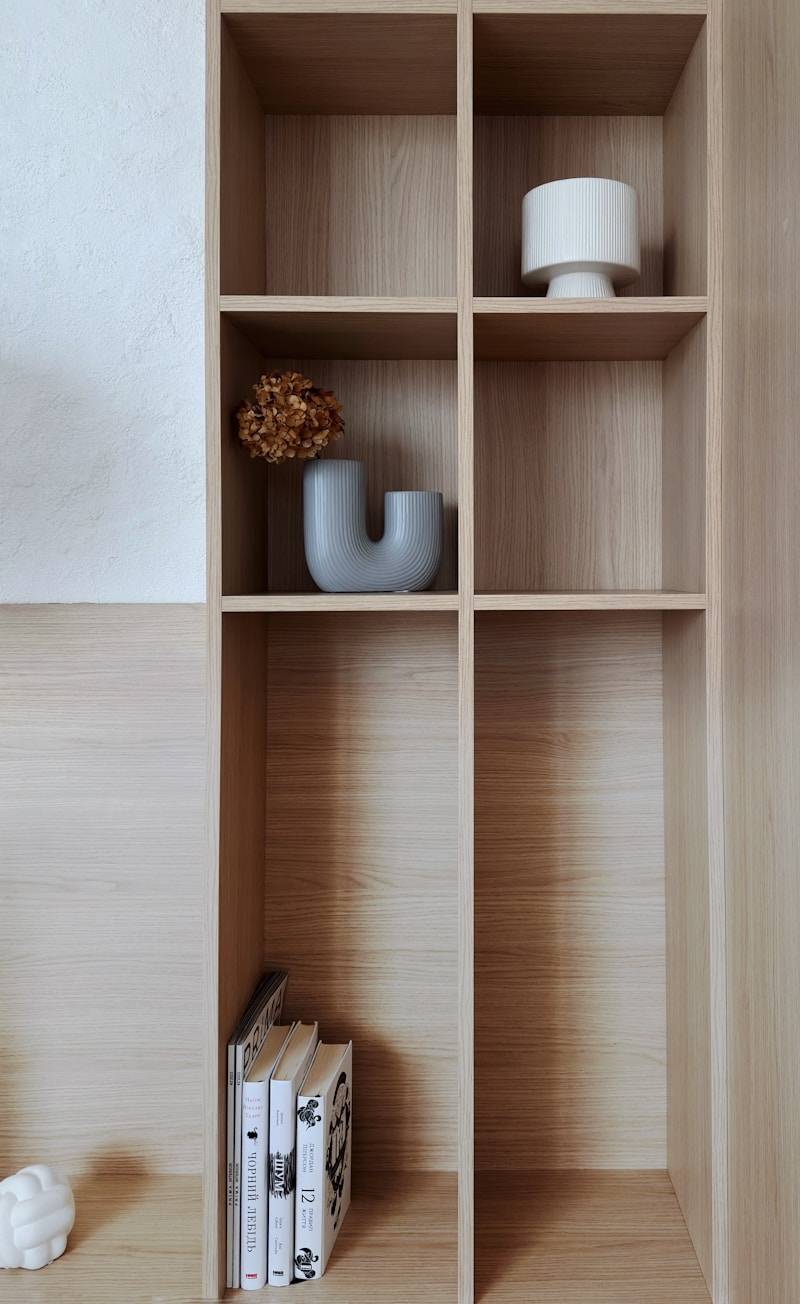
(580, 237)
(341, 556)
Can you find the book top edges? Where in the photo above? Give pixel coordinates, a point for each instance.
(268, 1056)
(267, 986)
(320, 1075)
(294, 1051)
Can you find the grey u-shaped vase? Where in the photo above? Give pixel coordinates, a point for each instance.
(341, 556)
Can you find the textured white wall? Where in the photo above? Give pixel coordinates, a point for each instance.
(101, 301)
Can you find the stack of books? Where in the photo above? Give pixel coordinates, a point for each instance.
(290, 1111)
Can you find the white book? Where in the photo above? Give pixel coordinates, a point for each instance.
(324, 1149)
(263, 1010)
(255, 1130)
(287, 1077)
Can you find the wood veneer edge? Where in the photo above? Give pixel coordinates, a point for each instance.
(466, 660)
(213, 1280)
(714, 654)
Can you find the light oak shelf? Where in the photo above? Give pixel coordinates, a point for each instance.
(602, 1238)
(343, 327)
(136, 1239)
(622, 329)
(578, 59)
(298, 602)
(390, 1212)
(634, 601)
(437, 602)
(504, 831)
(605, 8)
(362, 58)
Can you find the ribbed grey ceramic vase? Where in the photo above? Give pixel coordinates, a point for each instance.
(340, 554)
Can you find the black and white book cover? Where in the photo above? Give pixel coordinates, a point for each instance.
(324, 1158)
(264, 1008)
(288, 1076)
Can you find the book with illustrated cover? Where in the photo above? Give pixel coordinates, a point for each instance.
(324, 1149)
(263, 1010)
(287, 1077)
(255, 1143)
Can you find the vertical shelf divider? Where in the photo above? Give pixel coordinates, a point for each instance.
(466, 661)
(714, 726)
(213, 1267)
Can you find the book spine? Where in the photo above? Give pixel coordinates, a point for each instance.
(229, 1168)
(237, 1166)
(310, 1196)
(281, 1183)
(255, 1124)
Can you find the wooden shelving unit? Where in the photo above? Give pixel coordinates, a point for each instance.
(479, 825)
(574, 330)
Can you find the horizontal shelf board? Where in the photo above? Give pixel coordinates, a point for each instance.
(610, 601)
(342, 327)
(581, 61)
(606, 7)
(598, 330)
(341, 6)
(123, 1248)
(375, 59)
(399, 1242)
(299, 602)
(584, 1237)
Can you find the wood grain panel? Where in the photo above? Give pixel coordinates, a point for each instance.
(717, 872)
(683, 463)
(390, 1213)
(689, 1095)
(243, 481)
(466, 667)
(616, 600)
(406, 7)
(584, 1238)
(361, 882)
(123, 1250)
(569, 900)
(365, 205)
(242, 803)
(346, 327)
(761, 640)
(102, 765)
(309, 602)
(568, 475)
(581, 330)
(514, 154)
(350, 62)
(539, 62)
(400, 418)
(242, 178)
(662, 8)
(686, 178)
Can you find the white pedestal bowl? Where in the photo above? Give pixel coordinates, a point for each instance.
(580, 237)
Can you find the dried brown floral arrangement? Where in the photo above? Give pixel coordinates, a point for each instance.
(289, 419)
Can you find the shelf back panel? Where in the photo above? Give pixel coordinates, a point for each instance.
(569, 901)
(361, 882)
(400, 419)
(360, 205)
(514, 154)
(568, 476)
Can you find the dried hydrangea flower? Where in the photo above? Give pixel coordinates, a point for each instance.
(290, 418)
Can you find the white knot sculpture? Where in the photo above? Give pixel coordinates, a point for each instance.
(341, 556)
(37, 1213)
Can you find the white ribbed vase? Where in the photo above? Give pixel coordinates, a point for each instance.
(580, 237)
(341, 556)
